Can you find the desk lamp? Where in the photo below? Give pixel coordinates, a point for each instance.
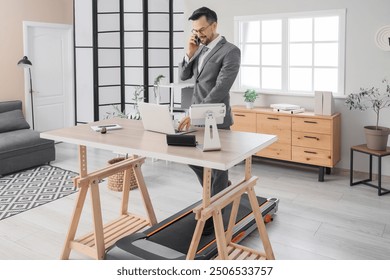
(26, 63)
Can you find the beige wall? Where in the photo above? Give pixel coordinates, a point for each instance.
(12, 15)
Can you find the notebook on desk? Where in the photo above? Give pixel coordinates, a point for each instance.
(157, 118)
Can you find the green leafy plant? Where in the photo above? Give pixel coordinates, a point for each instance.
(370, 98)
(156, 85)
(138, 97)
(250, 95)
(158, 79)
(116, 113)
(138, 90)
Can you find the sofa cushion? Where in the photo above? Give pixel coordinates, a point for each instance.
(6, 106)
(12, 120)
(21, 141)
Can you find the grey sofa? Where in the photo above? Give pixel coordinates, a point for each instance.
(20, 147)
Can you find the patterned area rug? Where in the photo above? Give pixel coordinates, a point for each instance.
(31, 188)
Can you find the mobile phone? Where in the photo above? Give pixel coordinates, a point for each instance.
(197, 40)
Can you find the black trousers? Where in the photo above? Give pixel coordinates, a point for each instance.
(219, 178)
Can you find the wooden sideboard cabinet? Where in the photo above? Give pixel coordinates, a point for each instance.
(303, 138)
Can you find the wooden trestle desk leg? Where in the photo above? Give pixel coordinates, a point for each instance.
(126, 190)
(248, 168)
(232, 219)
(97, 220)
(206, 187)
(144, 191)
(79, 204)
(256, 211)
(220, 235)
(90, 181)
(233, 194)
(145, 194)
(200, 223)
(260, 225)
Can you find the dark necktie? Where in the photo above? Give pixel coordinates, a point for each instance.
(202, 56)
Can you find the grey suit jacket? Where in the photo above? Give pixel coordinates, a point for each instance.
(216, 77)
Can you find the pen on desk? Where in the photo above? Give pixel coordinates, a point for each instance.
(109, 125)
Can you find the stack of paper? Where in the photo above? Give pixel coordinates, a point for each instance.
(287, 108)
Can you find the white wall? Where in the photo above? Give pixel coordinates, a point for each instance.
(366, 65)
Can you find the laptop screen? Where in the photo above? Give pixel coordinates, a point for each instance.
(156, 118)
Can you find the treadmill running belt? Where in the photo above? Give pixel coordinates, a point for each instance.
(179, 234)
(171, 238)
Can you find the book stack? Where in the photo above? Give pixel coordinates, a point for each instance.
(287, 108)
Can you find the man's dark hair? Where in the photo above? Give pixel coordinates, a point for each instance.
(210, 15)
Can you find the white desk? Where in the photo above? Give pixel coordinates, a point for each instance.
(236, 147)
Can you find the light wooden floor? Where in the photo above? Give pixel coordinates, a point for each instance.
(328, 220)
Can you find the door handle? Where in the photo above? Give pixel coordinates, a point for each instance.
(239, 115)
(310, 152)
(311, 122)
(274, 119)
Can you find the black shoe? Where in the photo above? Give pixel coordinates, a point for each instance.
(208, 227)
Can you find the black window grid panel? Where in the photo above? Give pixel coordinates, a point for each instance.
(148, 81)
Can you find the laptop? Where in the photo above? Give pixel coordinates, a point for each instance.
(157, 118)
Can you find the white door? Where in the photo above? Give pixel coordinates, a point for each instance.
(49, 47)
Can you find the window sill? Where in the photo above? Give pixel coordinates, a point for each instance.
(287, 94)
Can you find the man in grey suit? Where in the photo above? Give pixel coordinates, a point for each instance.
(214, 64)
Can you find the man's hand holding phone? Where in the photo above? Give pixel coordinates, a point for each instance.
(193, 45)
(197, 40)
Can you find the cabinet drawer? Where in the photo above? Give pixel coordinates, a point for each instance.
(312, 125)
(277, 125)
(277, 151)
(244, 122)
(311, 140)
(312, 156)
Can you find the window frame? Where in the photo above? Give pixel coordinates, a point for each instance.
(285, 67)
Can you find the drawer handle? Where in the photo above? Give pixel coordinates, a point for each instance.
(312, 137)
(274, 119)
(310, 152)
(239, 115)
(311, 122)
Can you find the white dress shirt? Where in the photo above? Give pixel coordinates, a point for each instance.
(204, 53)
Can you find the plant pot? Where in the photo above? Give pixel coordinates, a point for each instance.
(249, 105)
(376, 139)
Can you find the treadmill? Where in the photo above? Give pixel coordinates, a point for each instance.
(171, 238)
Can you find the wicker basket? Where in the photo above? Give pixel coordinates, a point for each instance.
(115, 182)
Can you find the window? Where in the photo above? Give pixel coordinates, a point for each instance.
(292, 53)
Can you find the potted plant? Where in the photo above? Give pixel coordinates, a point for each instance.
(250, 96)
(372, 98)
(156, 88)
(137, 98)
